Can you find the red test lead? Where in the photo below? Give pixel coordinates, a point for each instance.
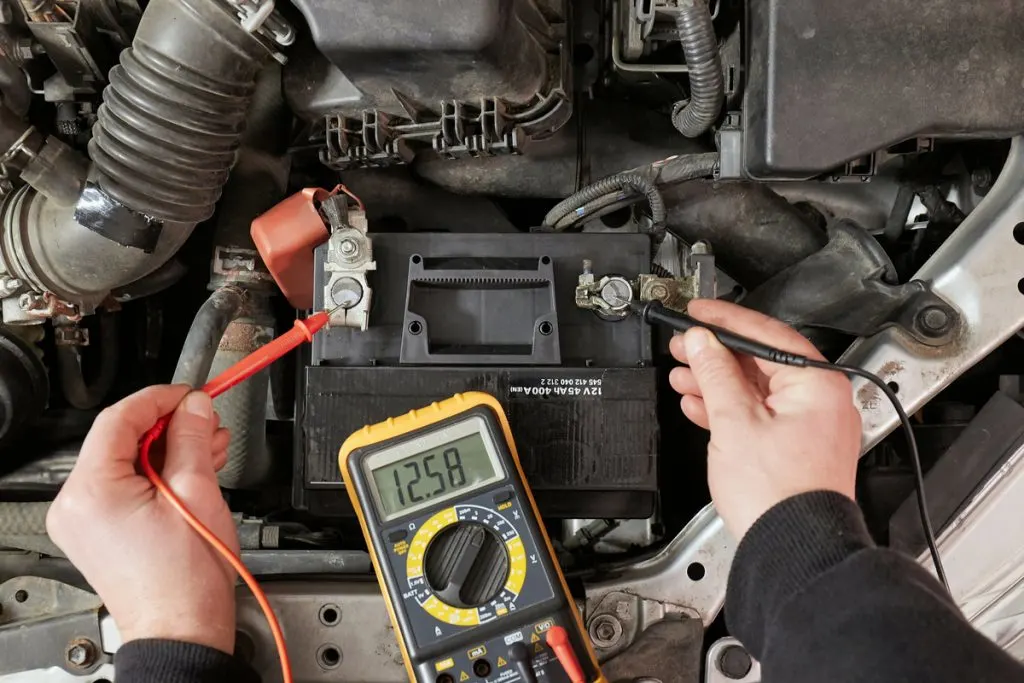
(302, 332)
(558, 641)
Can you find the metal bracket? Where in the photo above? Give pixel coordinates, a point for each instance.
(978, 272)
(46, 623)
(688, 575)
(609, 296)
(349, 259)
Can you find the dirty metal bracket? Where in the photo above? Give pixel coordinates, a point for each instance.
(979, 271)
(687, 578)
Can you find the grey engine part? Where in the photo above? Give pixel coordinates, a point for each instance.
(521, 168)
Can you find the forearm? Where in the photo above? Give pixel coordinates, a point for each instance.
(813, 599)
(170, 661)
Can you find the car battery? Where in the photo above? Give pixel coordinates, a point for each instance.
(495, 313)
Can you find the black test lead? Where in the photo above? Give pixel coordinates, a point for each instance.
(653, 312)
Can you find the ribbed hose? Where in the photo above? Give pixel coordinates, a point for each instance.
(23, 526)
(175, 109)
(23, 519)
(707, 84)
(203, 339)
(633, 182)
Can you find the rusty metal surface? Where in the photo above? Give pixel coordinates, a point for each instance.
(979, 272)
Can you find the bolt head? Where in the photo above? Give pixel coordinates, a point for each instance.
(934, 319)
(348, 247)
(81, 653)
(734, 662)
(605, 630)
(659, 291)
(982, 178)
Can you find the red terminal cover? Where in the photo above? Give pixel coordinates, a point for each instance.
(285, 237)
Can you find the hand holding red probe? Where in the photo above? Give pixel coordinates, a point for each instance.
(170, 526)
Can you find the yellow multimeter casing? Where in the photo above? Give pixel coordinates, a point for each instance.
(468, 572)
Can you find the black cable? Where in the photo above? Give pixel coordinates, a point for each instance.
(653, 312)
(915, 455)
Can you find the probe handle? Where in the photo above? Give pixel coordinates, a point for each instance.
(301, 333)
(653, 312)
(520, 655)
(558, 641)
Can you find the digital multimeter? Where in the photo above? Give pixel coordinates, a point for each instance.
(466, 567)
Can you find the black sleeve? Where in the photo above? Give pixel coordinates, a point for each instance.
(814, 600)
(171, 661)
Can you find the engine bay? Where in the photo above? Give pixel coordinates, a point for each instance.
(476, 191)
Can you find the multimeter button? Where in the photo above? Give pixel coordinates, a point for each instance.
(398, 535)
(502, 497)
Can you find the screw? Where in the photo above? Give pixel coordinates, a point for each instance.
(981, 179)
(659, 291)
(734, 662)
(933, 319)
(605, 630)
(81, 653)
(348, 247)
(30, 302)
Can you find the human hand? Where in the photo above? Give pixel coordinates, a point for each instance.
(156, 576)
(776, 430)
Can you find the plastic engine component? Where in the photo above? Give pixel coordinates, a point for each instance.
(431, 52)
(285, 237)
(481, 311)
(829, 79)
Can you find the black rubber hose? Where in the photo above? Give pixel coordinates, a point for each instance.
(243, 408)
(87, 395)
(175, 109)
(633, 182)
(203, 339)
(694, 117)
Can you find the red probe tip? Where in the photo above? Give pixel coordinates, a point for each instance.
(558, 640)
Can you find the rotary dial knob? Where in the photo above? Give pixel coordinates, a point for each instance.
(466, 565)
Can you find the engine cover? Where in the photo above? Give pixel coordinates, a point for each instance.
(388, 54)
(584, 418)
(833, 80)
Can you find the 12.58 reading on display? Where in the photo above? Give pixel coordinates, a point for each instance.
(433, 475)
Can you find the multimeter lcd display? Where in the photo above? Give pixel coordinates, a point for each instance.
(436, 474)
